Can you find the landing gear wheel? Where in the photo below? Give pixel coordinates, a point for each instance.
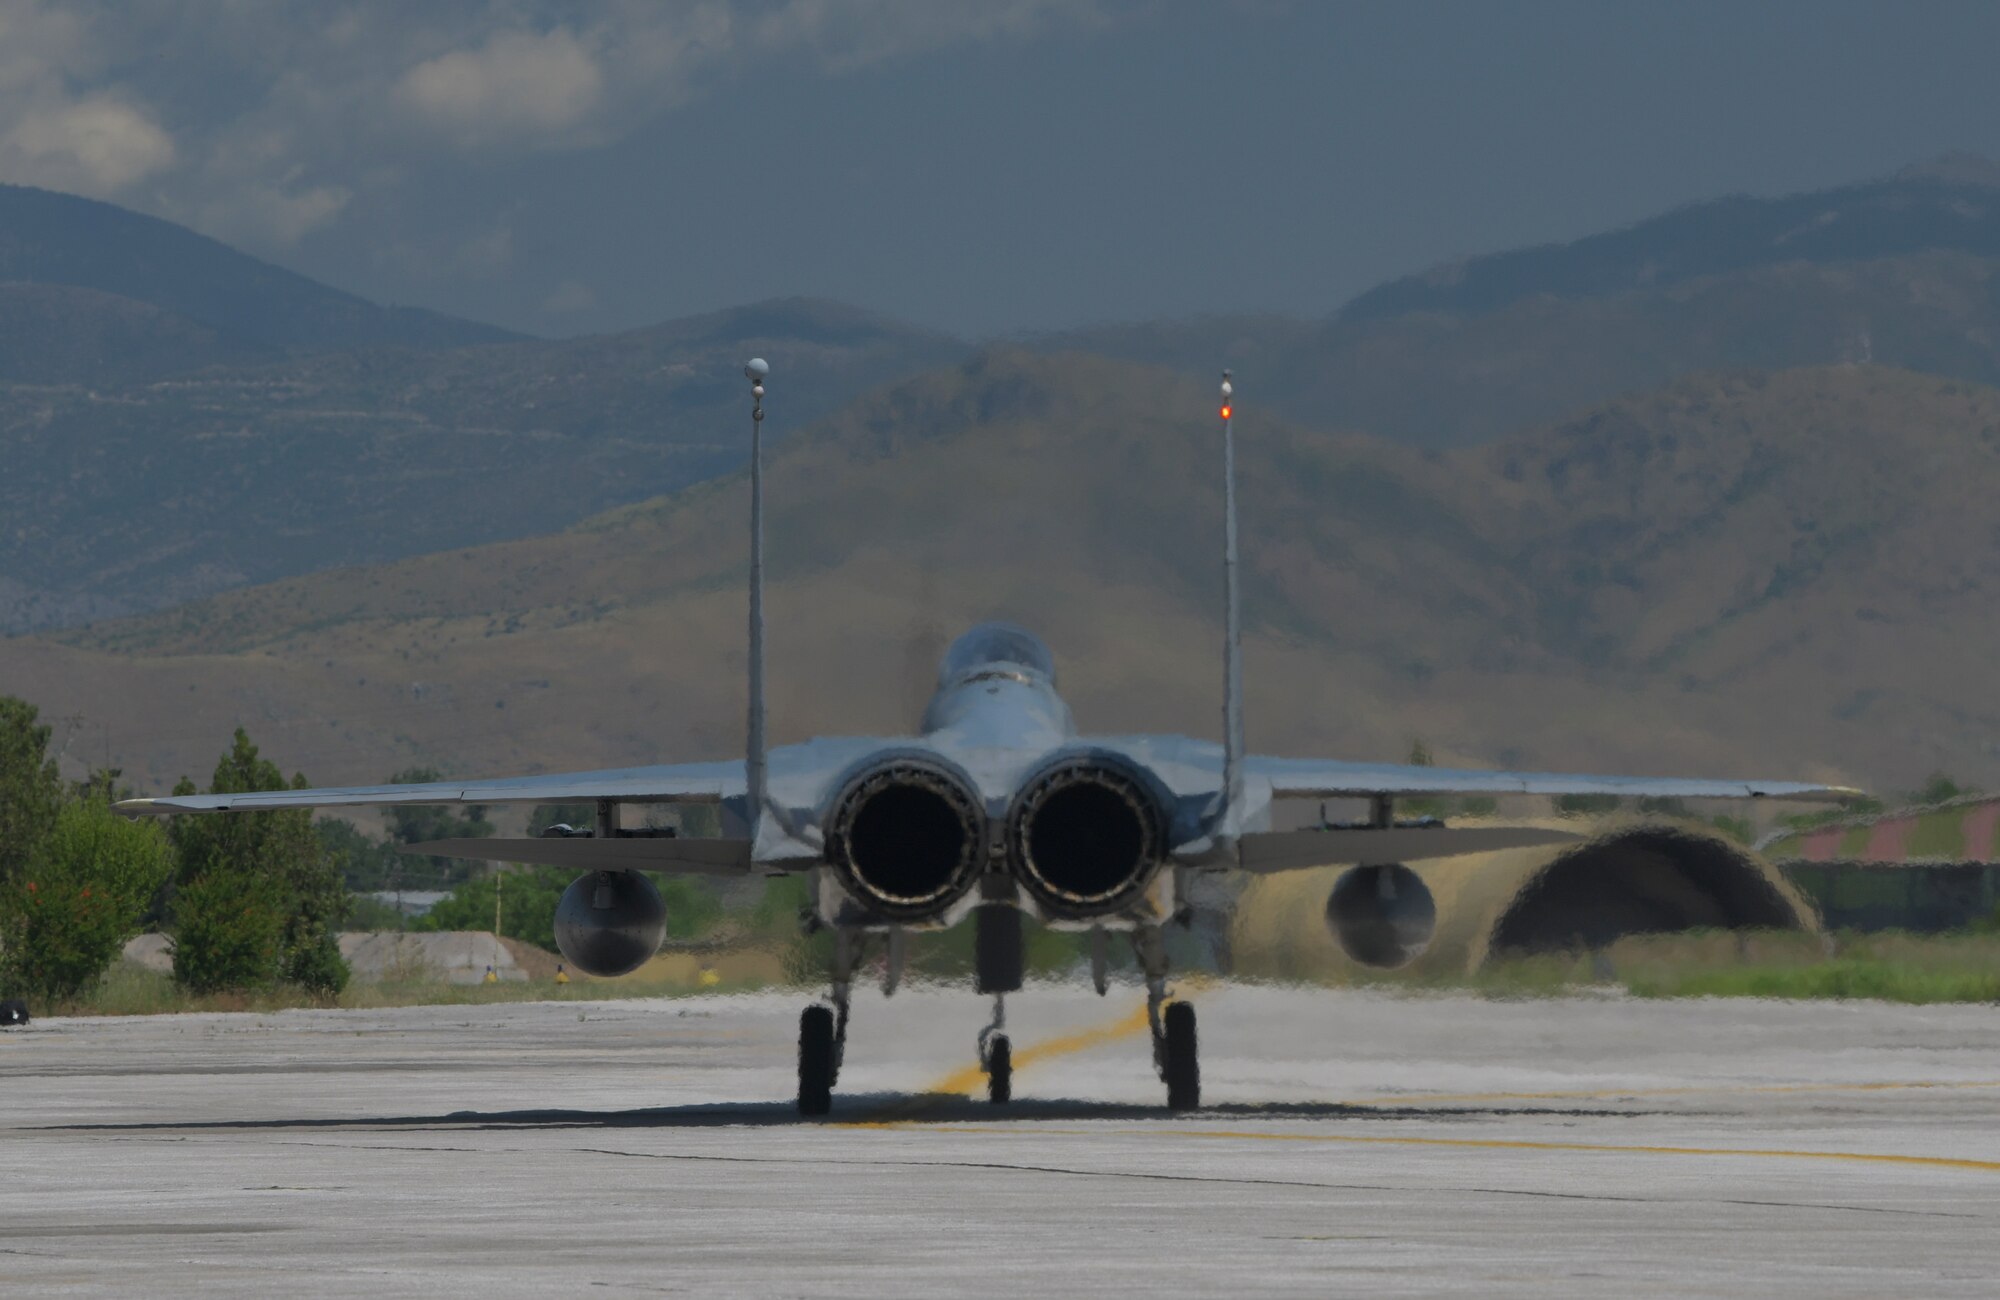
(816, 1060)
(1179, 1064)
(1000, 1071)
(13, 1012)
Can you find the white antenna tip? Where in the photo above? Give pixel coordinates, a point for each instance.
(757, 369)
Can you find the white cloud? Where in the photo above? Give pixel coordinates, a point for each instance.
(98, 145)
(489, 252)
(569, 297)
(262, 122)
(283, 212)
(515, 88)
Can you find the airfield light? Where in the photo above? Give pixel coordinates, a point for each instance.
(1225, 411)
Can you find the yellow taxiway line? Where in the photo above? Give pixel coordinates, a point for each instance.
(972, 1077)
(1487, 1144)
(1691, 1090)
(968, 1080)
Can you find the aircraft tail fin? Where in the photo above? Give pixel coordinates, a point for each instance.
(1232, 632)
(754, 748)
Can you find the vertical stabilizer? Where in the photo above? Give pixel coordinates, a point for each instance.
(1232, 632)
(754, 746)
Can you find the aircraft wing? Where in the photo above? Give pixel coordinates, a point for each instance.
(674, 782)
(1328, 779)
(642, 853)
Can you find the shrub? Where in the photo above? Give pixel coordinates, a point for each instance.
(87, 888)
(30, 790)
(246, 875)
(229, 931)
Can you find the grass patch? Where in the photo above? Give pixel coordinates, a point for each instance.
(1852, 978)
(130, 989)
(1892, 967)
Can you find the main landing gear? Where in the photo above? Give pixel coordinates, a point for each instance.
(1175, 1055)
(823, 1031)
(998, 960)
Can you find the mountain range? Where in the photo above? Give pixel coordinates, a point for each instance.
(1736, 512)
(121, 295)
(1750, 573)
(177, 418)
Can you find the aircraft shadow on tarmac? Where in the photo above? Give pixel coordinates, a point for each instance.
(866, 1108)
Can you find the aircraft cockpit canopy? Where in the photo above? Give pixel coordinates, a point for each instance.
(996, 646)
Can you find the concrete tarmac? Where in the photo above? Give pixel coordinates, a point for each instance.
(1353, 1142)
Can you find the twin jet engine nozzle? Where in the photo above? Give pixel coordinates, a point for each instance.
(1086, 835)
(908, 837)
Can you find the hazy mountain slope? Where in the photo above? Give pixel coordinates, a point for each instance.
(51, 238)
(60, 334)
(136, 496)
(1920, 211)
(1902, 272)
(147, 462)
(1825, 544)
(1792, 573)
(1442, 379)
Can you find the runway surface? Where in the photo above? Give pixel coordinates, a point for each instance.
(1353, 1142)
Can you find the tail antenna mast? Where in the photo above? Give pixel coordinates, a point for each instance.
(1232, 632)
(754, 750)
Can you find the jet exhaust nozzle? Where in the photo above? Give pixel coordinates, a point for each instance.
(1086, 837)
(1383, 916)
(610, 922)
(907, 837)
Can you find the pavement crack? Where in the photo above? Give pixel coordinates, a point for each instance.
(1067, 1171)
(1152, 1176)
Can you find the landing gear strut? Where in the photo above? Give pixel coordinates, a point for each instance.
(997, 967)
(1175, 1055)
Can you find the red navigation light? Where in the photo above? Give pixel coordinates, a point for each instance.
(1225, 412)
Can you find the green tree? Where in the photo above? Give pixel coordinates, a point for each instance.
(229, 932)
(366, 912)
(528, 905)
(247, 876)
(30, 789)
(1940, 787)
(88, 887)
(1420, 756)
(365, 863)
(435, 822)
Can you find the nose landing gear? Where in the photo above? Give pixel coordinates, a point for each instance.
(996, 1055)
(998, 951)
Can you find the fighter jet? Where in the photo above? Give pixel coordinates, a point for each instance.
(998, 808)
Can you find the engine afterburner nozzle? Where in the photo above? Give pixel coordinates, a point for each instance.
(907, 836)
(1085, 836)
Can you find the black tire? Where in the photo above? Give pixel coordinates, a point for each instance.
(13, 1012)
(816, 1060)
(1181, 1063)
(1000, 1071)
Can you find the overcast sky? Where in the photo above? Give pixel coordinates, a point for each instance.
(977, 165)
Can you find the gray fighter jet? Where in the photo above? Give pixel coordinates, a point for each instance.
(996, 808)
